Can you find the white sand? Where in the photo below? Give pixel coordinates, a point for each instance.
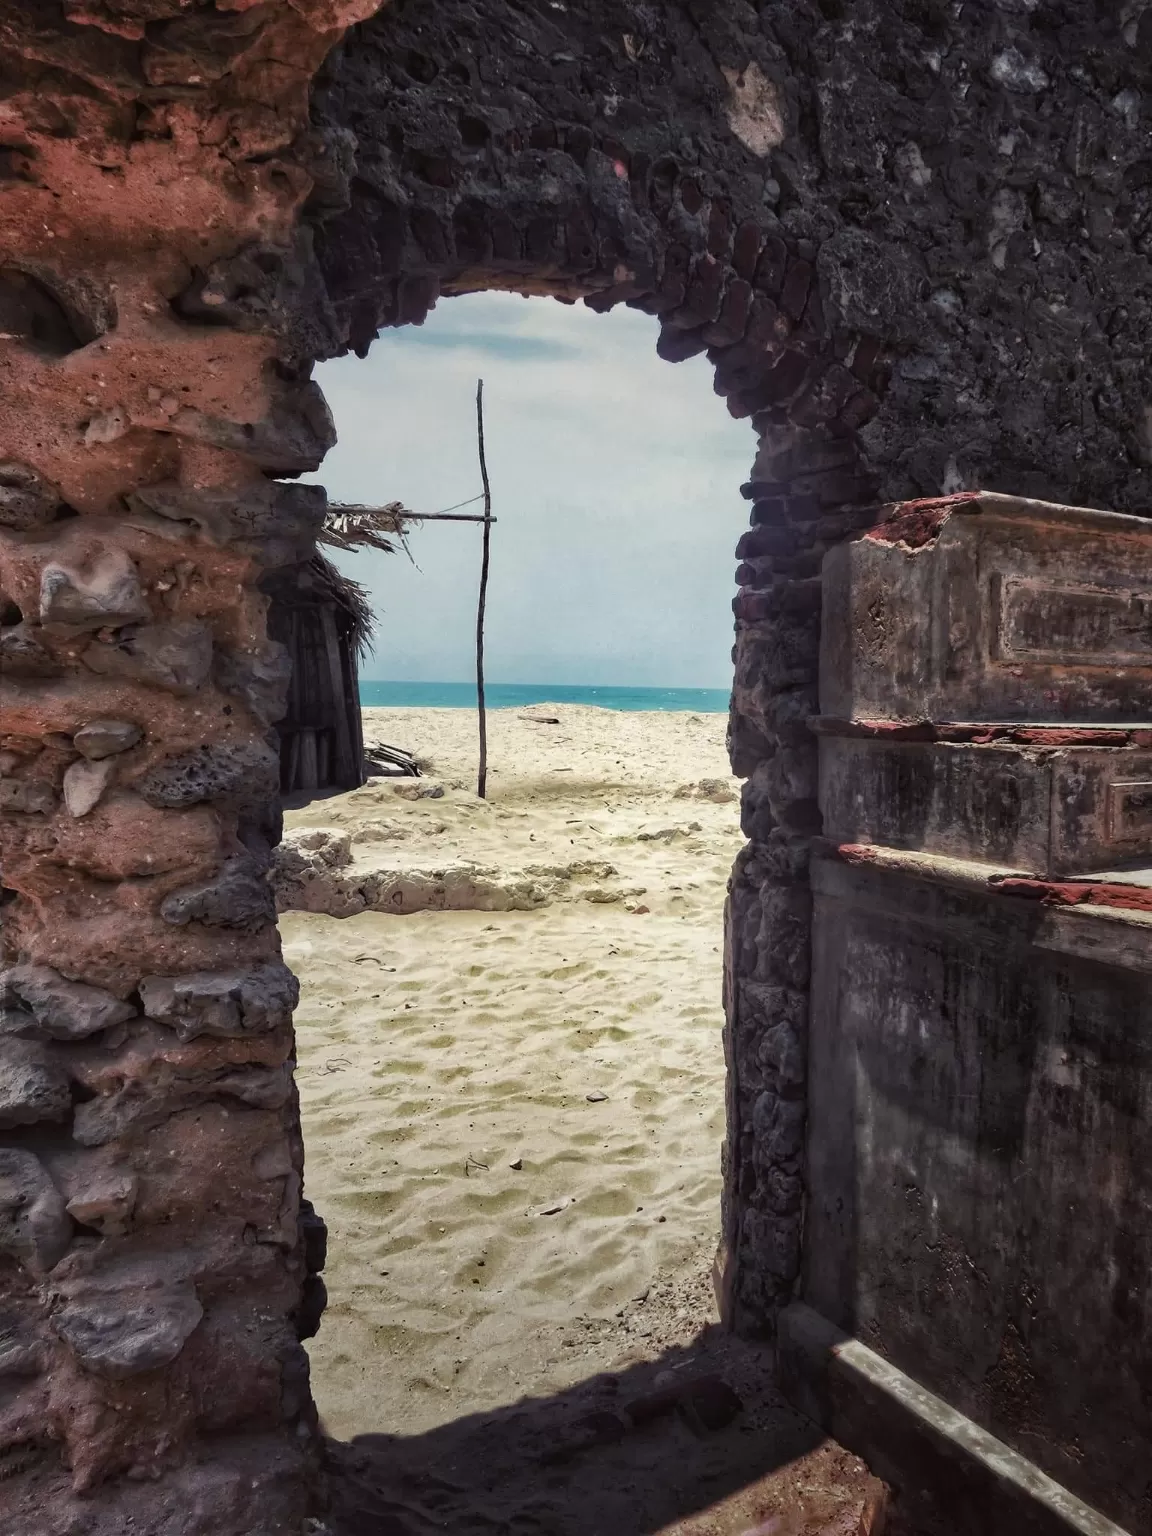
(440, 1048)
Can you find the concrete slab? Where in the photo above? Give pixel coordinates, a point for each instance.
(949, 1475)
(989, 607)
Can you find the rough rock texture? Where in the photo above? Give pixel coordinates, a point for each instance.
(913, 240)
(946, 205)
(158, 302)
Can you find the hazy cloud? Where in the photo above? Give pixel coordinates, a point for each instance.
(615, 480)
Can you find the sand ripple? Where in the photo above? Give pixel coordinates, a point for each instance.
(513, 1117)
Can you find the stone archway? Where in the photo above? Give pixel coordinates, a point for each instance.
(912, 240)
(837, 234)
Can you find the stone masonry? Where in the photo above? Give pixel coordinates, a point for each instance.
(154, 1249)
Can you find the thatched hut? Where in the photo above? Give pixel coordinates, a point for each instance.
(325, 620)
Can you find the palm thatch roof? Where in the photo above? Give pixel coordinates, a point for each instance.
(348, 595)
(351, 527)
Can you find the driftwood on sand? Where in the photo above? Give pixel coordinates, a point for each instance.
(379, 758)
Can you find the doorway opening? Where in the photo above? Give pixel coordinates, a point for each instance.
(510, 1032)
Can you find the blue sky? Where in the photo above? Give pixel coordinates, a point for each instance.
(615, 479)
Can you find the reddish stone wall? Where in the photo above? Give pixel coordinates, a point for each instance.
(154, 1249)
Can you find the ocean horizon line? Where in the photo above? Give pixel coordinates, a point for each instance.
(383, 693)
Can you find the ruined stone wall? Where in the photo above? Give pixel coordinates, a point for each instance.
(980, 1108)
(155, 305)
(912, 239)
(965, 184)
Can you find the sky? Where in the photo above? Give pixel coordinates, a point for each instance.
(615, 482)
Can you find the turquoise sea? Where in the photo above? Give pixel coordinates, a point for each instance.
(384, 695)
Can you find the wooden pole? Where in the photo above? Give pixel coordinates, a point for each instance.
(451, 517)
(418, 517)
(482, 777)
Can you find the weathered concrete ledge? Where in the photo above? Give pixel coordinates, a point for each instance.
(986, 733)
(980, 1084)
(917, 523)
(1126, 893)
(968, 1483)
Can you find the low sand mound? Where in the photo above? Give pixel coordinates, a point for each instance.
(315, 870)
(719, 791)
(584, 805)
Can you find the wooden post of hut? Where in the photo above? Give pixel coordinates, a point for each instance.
(324, 620)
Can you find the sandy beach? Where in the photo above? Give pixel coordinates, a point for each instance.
(513, 1118)
(512, 1081)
